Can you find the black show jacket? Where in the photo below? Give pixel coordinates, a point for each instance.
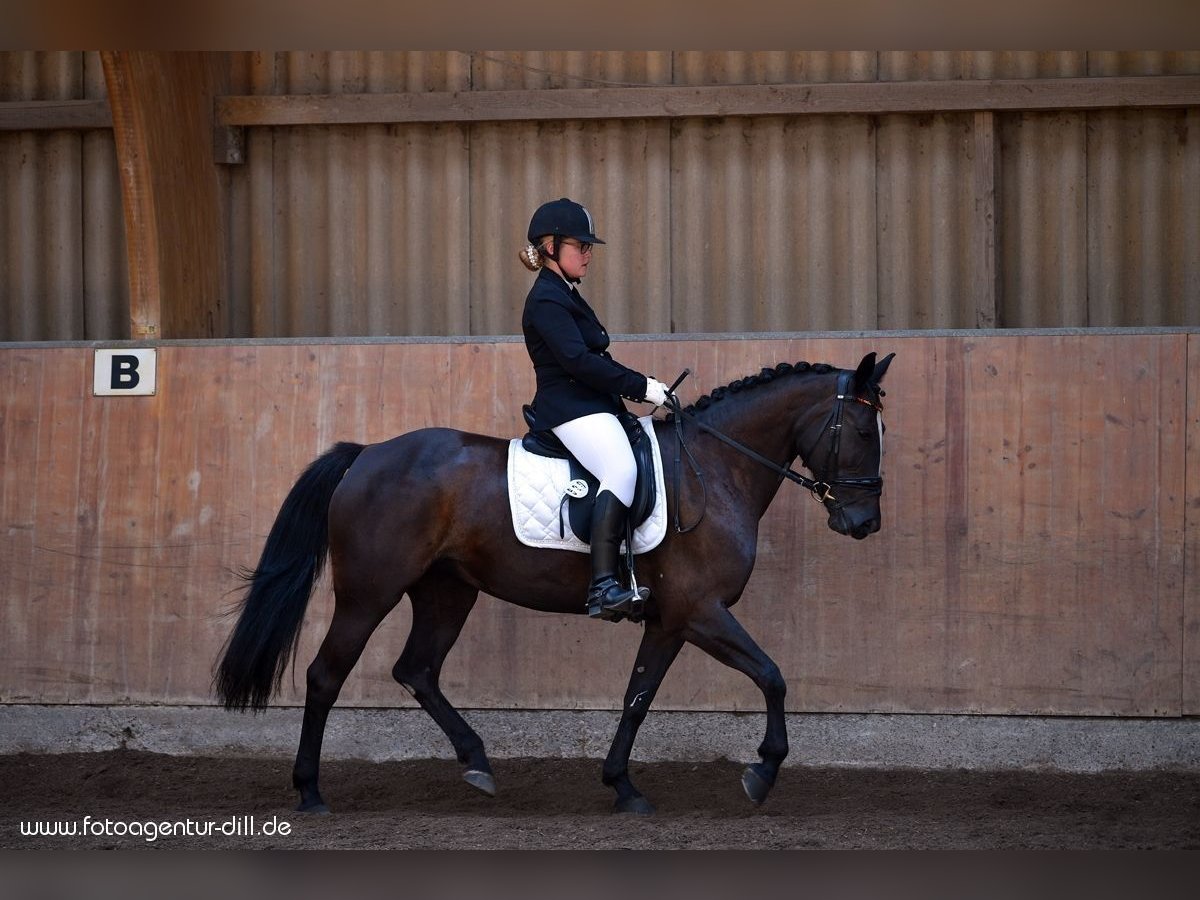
(569, 348)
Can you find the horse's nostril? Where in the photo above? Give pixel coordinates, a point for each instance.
(860, 531)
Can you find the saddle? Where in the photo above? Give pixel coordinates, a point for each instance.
(581, 493)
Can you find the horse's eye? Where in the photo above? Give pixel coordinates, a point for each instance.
(865, 434)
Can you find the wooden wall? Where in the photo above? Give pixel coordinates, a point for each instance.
(1041, 489)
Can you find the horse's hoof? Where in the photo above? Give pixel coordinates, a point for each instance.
(481, 781)
(316, 809)
(638, 806)
(755, 786)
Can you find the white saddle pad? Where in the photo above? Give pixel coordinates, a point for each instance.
(537, 485)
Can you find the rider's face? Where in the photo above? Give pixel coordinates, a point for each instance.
(573, 257)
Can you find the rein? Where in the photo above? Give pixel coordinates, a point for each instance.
(821, 488)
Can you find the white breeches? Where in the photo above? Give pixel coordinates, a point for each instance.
(601, 445)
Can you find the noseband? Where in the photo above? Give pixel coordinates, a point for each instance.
(821, 488)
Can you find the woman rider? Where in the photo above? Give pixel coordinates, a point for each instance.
(580, 386)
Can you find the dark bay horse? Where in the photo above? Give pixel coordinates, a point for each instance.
(417, 515)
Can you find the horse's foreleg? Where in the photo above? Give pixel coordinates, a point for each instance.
(655, 655)
(721, 636)
(343, 644)
(440, 606)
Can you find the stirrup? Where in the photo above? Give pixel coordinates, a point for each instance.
(628, 604)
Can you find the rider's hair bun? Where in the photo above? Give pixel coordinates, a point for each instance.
(530, 258)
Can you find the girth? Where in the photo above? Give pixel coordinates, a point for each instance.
(579, 502)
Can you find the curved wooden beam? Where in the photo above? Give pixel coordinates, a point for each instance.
(162, 106)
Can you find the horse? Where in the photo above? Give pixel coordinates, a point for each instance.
(416, 515)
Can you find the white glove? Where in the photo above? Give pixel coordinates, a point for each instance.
(656, 392)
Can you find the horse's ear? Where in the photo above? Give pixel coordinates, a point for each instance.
(862, 375)
(881, 369)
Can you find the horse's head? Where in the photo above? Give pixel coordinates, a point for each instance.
(847, 452)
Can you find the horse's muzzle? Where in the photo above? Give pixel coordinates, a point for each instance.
(844, 522)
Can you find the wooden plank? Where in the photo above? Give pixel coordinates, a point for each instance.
(720, 100)
(986, 271)
(649, 102)
(1072, 534)
(52, 115)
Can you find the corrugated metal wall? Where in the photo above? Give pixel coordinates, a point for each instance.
(62, 242)
(619, 169)
(738, 224)
(351, 230)
(1143, 210)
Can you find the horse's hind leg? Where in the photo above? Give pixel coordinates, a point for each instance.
(349, 630)
(441, 604)
(655, 655)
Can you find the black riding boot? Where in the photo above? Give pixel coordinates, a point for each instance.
(607, 599)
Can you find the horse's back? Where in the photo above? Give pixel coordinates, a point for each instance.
(418, 468)
(425, 455)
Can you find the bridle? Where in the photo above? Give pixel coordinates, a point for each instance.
(821, 487)
(872, 484)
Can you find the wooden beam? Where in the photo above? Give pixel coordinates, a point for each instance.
(170, 188)
(985, 272)
(137, 197)
(649, 102)
(54, 115)
(856, 98)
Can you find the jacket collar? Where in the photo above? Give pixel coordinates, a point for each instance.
(559, 281)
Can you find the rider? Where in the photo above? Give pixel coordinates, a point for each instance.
(580, 386)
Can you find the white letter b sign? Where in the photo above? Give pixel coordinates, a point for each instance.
(128, 373)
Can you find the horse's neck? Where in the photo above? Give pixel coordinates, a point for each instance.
(764, 419)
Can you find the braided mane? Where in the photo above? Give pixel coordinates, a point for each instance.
(751, 381)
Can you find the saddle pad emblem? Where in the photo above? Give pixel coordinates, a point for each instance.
(537, 484)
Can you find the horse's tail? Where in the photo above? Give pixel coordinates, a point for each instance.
(268, 628)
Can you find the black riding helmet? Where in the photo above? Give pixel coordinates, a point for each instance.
(563, 218)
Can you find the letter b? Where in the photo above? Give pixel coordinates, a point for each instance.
(125, 376)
